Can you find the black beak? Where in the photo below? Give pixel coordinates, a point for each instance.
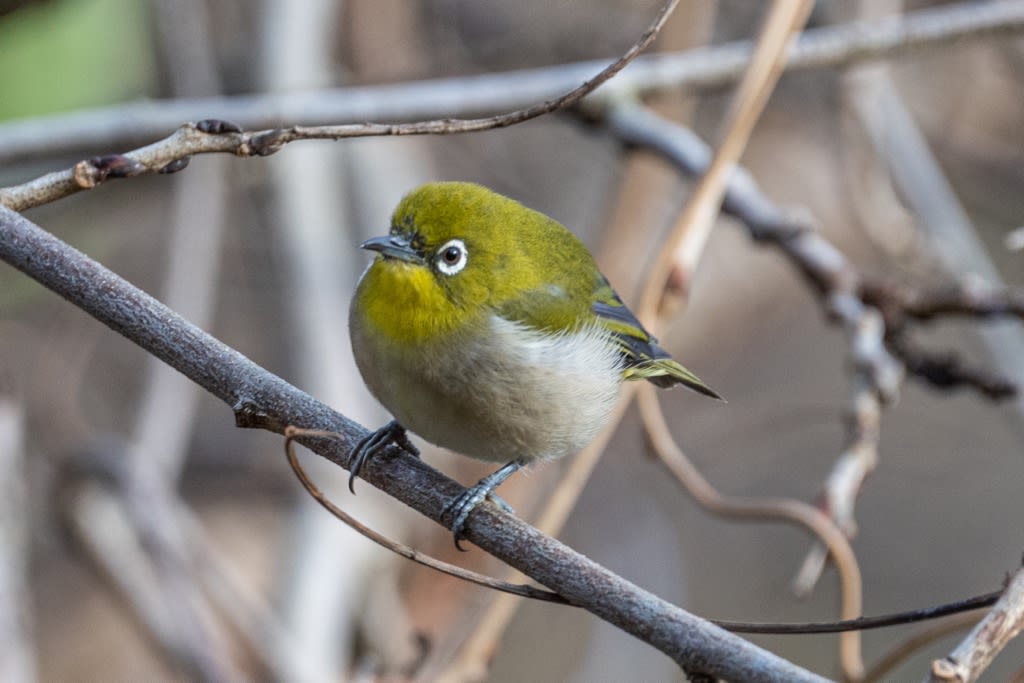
(393, 246)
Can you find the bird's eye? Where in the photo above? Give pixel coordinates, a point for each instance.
(451, 257)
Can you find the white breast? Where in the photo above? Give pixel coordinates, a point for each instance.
(511, 393)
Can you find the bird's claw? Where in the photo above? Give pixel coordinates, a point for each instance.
(375, 442)
(463, 504)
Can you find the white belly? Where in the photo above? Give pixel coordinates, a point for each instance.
(513, 393)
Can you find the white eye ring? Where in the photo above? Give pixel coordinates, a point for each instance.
(452, 257)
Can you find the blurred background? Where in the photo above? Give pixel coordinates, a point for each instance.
(143, 537)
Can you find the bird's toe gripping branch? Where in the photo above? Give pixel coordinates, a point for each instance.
(463, 504)
(374, 443)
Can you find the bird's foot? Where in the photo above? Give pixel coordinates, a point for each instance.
(463, 504)
(374, 443)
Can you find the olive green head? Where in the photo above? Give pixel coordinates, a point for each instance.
(457, 251)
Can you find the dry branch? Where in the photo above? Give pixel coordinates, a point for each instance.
(869, 309)
(986, 640)
(173, 153)
(866, 309)
(876, 373)
(262, 400)
(714, 67)
(291, 434)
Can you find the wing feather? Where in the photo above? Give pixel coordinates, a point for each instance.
(642, 356)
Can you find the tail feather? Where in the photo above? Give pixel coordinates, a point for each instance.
(665, 373)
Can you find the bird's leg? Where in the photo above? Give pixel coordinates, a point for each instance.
(465, 502)
(375, 442)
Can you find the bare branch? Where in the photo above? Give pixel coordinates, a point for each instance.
(679, 257)
(873, 622)
(328, 591)
(877, 374)
(949, 370)
(891, 659)
(734, 507)
(172, 154)
(714, 67)
(877, 367)
(692, 23)
(261, 400)
(902, 304)
(667, 287)
(919, 178)
(158, 586)
(968, 299)
(986, 640)
(398, 548)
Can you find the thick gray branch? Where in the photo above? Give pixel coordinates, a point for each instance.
(263, 400)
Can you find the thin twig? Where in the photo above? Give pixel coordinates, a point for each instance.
(919, 178)
(756, 509)
(969, 298)
(897, 139)
(891, 659)
(169, 404)
(986, 640)
(675, 266)
(825, 268)
(902, 304)
(706, 68)
(866, 623)
(172, 154)
(292, 433)
(671, 272)
(669, 284)
(738, 126)
(844, 293)
(692, 23)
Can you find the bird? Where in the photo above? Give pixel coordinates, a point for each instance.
(485, 327)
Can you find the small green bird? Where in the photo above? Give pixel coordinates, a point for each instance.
(486, 327)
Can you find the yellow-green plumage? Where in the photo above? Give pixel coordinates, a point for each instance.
(486, 327)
